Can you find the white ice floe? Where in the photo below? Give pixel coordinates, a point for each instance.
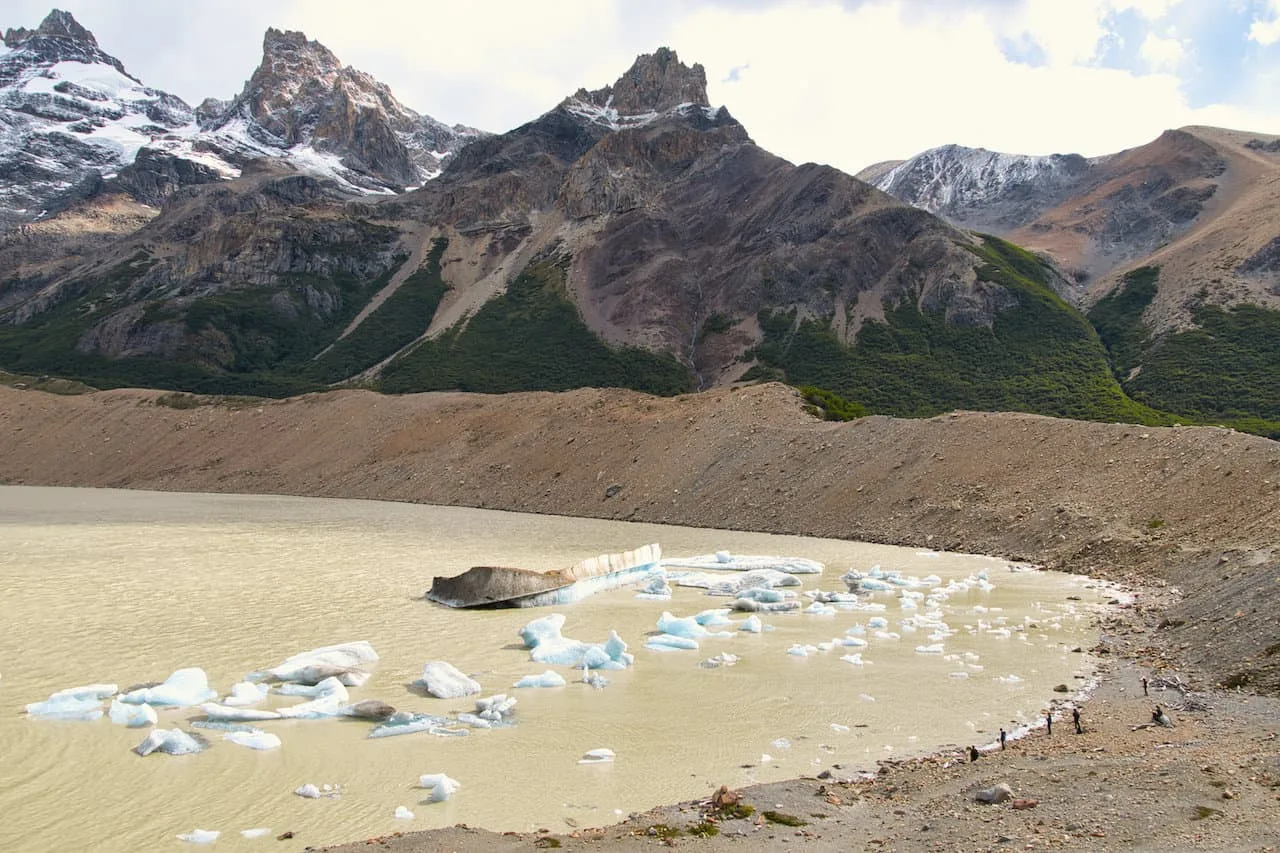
(445, 681)
(170, 742)
(714, 617)
(254, 739)
(256, 832)
(602, 755)
(348, 662)
(686, 626)
(656, 587)
(847, 640)
(801, 650)
(855, 659)
(670, 642)
(403, 813)
(752, 625)
(550, 678)
(839, 728)
(935, 649)
(542, 636)
(245, 693)
(200, 836)
(331, 697)
(441, 786)
(407, 723)
(734, 585)
(817, 608)
(185, 687)
(73, 703)
(132, 716)
(877, 622)
(724, 561)
(224, 713)
(316, 792)
(716, 661)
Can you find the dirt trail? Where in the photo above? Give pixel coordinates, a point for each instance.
(1188, 516)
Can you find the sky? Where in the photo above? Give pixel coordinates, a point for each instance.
(844, 82)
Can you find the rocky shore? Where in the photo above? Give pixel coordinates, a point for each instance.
(1187, 517)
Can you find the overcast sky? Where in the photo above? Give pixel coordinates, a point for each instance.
(844, 82)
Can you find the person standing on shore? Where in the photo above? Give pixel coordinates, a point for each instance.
(1144, 685)
(1048, 721)
(1003, 736)
(973, 754)
(1075, 718)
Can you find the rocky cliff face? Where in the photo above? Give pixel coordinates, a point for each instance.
(303, 105)
(74, 123)
(70, 118)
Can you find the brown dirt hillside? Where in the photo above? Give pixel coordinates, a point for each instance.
(1189, 517)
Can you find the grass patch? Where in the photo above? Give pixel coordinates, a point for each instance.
(1155, 523)
(737, 811)
(662, 830)
(531, 338)
(831, 406)
(784, 819)
(178, 400)
(1203, 812)
(706, 829)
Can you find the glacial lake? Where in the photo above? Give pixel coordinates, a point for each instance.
(125, 587)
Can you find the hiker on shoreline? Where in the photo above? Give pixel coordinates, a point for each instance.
(1075, 718)
(1003, 736)
(1048, 722)
(973, 754)
(1144, 686)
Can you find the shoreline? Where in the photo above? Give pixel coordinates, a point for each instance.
(1189, 517)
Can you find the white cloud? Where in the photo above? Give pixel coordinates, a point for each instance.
(1265, 30)
(1162, 54)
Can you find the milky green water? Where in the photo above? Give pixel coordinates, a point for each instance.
(125, 587)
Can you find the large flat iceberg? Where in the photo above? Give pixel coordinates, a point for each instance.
(348, 662)
(724, 561)
(185, 687)
(445, 681)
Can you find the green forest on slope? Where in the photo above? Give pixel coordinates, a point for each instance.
(1041, 357)
(1225, 371)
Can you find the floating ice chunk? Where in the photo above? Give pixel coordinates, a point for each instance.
(542, 628)
(169, 741)
(839, 729)
(877, 622)
(820, 609)
(254, 739)
(670, 642)
(598, 756)
(714, 617)
(832, 597)
(445, 681)
(927, 554)
(801, 650)
(184, 687)
(856, 642)
(855, 659)
(765, 758)
(308, 791)
(655, 586)
(200, 836)
(735, 585)
(441, 786)
(214, 711)
(724, 561)
(769, 596)
(594, 679)
(73, 703)
(686, 626)
(406, 723)
(866, 698)
(348, 662)
(887, 635)
(132, 716)
(957, 675)
(935, 649)
(719, 660)
(246, 693)
(1008, 679)
(256, 832)
(550, 678)
(403, 813)
(780, 743)
(751, 625)
(495, 708)
(331, 697)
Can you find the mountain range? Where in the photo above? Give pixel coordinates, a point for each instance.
(314, 231)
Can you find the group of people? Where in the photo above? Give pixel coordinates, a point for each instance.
(1048, 724)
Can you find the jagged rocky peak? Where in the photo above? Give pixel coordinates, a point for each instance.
(657, 84)
(60, 38)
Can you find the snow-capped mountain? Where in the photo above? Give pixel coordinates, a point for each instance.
(303, 105)
(70, 115)
(72, 121)
(978, 188)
